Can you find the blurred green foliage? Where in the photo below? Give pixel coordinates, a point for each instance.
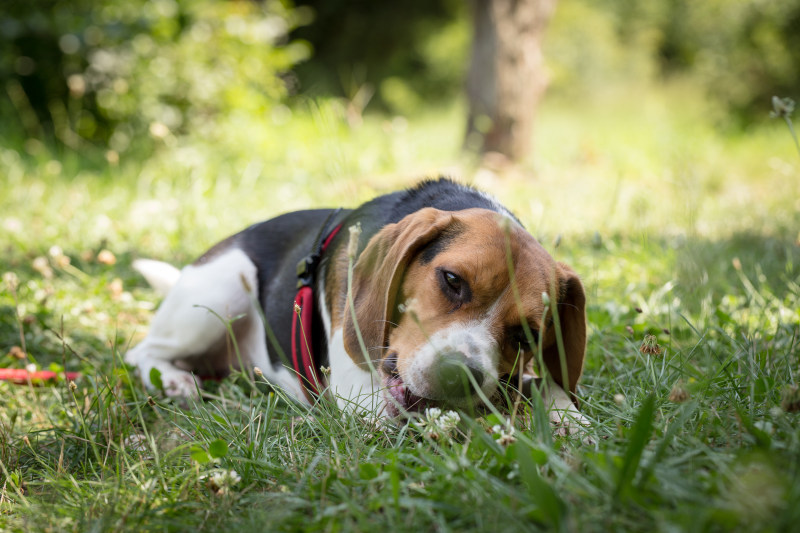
(394, 54)
(111, 72)
(739, 52)
(125, 74)
(742, 52)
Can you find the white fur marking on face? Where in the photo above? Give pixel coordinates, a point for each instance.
(473, 339)
(353, 386)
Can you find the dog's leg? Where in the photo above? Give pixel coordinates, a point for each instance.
(563, 414)
(253, 344)
(191, 319)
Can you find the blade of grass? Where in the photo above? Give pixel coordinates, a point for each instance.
(638, 439)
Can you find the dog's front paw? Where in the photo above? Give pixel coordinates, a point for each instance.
(180, 384)
(569, 422)
(175, 383)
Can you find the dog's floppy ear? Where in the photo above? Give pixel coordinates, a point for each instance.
(377, 276)
(571, 306)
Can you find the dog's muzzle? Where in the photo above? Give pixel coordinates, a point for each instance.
(451, 376)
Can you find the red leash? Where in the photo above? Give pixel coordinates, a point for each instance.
(303, 358)
(20, 376)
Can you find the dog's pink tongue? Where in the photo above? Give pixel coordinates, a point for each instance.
(397, 389)
(400, 398)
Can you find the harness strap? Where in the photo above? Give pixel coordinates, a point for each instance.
(303, 312)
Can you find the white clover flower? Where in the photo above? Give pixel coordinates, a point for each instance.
(221, 481)
(449, 420)
(41, 266)
(11, 280)
(431, 414)
(55, 251)
(225, 478)
(438, 424)
(505, 432)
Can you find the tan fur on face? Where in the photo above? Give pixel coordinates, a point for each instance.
(392, 268)
(478, 256)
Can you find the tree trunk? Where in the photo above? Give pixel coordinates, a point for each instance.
(506, 77)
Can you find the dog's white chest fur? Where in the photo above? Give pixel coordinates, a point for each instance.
(353, 387)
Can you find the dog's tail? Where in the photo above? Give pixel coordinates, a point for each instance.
(160, 275)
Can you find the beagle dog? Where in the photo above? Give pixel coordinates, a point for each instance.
(442, 297)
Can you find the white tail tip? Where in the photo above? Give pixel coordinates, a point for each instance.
(160, 275)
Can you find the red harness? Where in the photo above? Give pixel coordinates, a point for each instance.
(303, 358)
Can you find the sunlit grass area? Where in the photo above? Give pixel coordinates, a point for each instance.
(678, 230)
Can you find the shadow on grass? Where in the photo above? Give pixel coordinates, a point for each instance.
(707, 268)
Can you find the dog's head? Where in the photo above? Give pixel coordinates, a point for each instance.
(441, 297)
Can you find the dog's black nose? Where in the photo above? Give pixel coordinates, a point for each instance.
(451, 375)
(389, 364)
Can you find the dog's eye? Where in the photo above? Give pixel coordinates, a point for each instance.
(453, 281)
(519, 338)
(455, 288)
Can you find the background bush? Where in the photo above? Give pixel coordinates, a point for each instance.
(397, 53)
(740, 52)
(111, 72)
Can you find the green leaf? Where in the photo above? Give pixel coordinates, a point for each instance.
(155, 379)
(541, 419)
(218, 449)
(639, 437)
(367, 471)
(550, 508)
(762, 438)
(686, 412)
(518, 449)
(493, 419)
(199, 454)
(394, 479)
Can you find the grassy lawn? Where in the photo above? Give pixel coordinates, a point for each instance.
(677, 230)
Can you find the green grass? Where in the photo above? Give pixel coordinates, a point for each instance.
(677, 231)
